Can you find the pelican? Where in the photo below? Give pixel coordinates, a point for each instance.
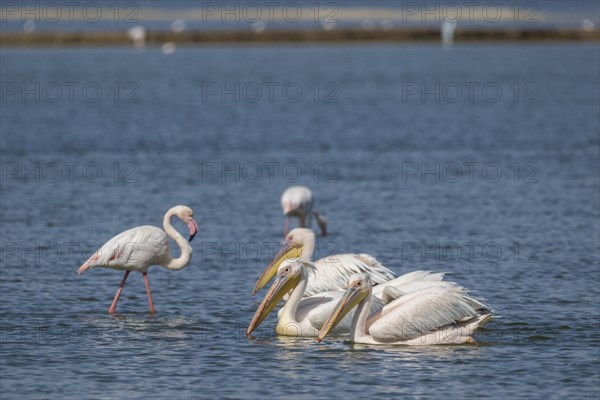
(330, 273)
(304, 316)
(139, 248)
(298, 201)
(432, 315)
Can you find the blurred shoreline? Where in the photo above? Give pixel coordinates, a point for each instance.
(200, 37)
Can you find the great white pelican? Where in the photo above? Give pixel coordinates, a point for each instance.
(429, 316)
(329, 273)
(304, 316)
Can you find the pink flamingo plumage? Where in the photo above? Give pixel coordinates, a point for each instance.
(139, 248)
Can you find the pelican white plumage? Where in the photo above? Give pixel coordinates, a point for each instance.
(330, 273)
(139, 248)
(304, 316)
(298, 201)
(432, 315)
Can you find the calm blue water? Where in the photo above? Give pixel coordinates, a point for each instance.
(482, 161)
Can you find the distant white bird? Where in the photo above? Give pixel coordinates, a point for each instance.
(139, 248)
(298, 201)
(304, 316)
(432, 315)
(330, 273)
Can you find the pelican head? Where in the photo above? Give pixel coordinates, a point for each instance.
(289, 275)
(359, 287)
(186, 214)
(293, 246)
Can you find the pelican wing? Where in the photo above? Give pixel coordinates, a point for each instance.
(395, 290)
(333, 272)
(407, 279)
(307, 304)
(391, 292)
(311, 307)
(422, 311)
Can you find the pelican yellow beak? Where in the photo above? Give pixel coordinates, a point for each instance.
(280, 288)
(349, 300)
(287, 252)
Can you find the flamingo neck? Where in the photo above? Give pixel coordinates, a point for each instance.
(308, 248)
(291, 305)
(358, 329)
(186, 250)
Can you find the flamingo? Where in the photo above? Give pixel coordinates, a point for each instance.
(298, 201)
(137, 249)
(304, 316)
(330, 273)
(432, 315)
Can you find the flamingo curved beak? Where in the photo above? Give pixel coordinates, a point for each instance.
(288, 251)
(280, 288)
(349, 300)
(193, 227)
(288, 208)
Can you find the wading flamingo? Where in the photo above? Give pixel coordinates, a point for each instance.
(298, 201)
(138, 248)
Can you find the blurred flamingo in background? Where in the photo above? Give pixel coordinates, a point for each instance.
(298, 201)
(139, 248)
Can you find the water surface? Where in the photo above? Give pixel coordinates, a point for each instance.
(391, 170)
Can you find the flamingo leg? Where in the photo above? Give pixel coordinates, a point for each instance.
(152, 310)
(286, 226)
(301, 221)
(113, 306)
